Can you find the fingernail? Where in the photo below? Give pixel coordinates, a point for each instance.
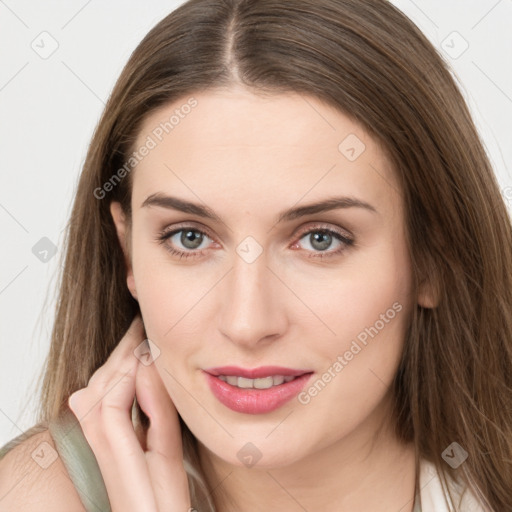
(72, 401)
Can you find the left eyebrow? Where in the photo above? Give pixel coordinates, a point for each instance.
(174, 203)
(333, 203)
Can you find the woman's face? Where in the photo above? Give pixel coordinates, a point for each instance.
(267, 260)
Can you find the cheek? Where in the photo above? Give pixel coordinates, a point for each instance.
(167, 294)
(367, 309)
(173, 326)
(369, 312)
(371, 287)
(175, 306)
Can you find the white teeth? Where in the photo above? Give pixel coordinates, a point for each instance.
(261, 383)
(278, 379)
(245, 383)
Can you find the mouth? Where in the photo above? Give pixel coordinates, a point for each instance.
(261, 383)
(255, 391)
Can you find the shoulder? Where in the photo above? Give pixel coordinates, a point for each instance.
(33, 477)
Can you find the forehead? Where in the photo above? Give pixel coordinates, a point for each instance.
(288, 145)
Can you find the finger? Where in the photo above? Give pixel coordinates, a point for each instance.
(122, 361)
(164, 443)
(109, 432)
(122, 353)
(156, 403)
(104, 411)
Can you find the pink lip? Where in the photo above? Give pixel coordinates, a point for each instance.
(255, 401)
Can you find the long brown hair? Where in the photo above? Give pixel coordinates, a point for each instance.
(368, 60)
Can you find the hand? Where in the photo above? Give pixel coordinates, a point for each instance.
(152, 479)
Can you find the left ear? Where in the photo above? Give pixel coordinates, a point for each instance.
(122, 229)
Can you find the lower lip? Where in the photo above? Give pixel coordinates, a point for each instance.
(255, 401)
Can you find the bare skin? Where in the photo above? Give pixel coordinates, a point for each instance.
(248, 158)
(152, 479)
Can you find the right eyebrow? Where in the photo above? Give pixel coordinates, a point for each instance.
(173, 203)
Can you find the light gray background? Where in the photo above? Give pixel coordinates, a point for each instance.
(50, 106)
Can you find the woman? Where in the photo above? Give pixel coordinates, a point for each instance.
(290, 202)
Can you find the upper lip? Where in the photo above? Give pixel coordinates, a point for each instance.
(255, 373)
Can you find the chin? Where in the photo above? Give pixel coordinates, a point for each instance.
(258, 453)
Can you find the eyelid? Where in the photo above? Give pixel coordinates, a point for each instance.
(181, 226)
(343, 236)
(301, 231)
(324, 226)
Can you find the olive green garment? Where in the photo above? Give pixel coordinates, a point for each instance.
(78, 458)
(80, 462)
(82, 466)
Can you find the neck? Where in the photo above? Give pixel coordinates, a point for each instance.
(366, 470)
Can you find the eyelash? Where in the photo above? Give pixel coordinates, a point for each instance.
(164, 235)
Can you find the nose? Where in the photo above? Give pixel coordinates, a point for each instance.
(253, 307)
